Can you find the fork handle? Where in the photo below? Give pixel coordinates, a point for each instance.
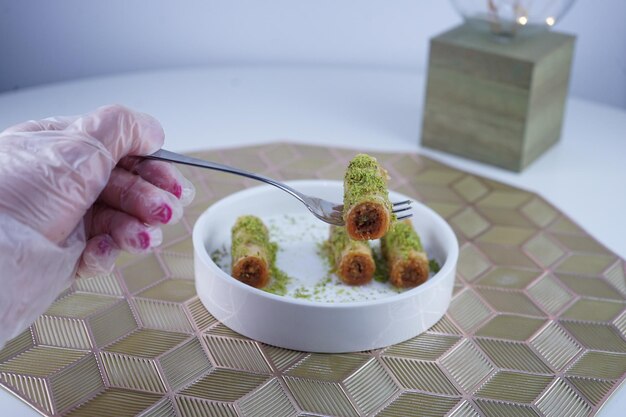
(165, 155)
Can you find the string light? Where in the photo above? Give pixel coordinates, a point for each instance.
(507, 18)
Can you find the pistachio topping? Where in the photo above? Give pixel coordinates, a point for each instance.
(382, 267)
(434, 266)
(279, 282)
(364, 180)
(338, 242)
(248, 233)
(402, 238)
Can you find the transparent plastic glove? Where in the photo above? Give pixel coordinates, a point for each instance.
(73, 193)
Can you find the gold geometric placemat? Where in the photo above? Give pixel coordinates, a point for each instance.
(536, 326)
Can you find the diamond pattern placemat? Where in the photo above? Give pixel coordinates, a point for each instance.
(537, 324)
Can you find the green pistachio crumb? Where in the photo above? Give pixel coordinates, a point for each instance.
(338, 242)
(250, 230)
(381, 274)
(364, 179)
(279, 282)
(403, 238)
(302, 292)
(218, 255)
(434, 266)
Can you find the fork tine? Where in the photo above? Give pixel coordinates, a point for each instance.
(401, 209)
(406, 216)
(399, 203)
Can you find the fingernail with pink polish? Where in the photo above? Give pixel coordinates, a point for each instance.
(104, 247)
(177, 190)
(144, 240)
(163, 213)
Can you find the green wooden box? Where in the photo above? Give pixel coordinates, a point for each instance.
(499, 102)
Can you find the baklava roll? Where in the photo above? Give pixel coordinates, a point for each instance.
(252, 253)
(367, 210)
(406, 259)
(352, 260)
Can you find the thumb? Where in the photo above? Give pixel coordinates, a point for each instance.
(121, 130)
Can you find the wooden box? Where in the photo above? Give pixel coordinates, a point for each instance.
(499, 102)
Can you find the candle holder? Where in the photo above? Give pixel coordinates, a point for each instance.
(497, 84)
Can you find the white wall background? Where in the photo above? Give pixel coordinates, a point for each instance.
(44, 41)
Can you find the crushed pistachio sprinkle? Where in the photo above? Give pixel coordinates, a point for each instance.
(364, 180)
(295, 235)
(434, 266)
(250, 231)
(381, 274)
(402, 237)
(338, 242)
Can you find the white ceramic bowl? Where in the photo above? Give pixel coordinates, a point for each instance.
(318, 326)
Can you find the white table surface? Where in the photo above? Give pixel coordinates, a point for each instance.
(584, 175)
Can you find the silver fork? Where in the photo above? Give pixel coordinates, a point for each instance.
(324, 210)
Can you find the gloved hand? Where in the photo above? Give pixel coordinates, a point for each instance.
(73, 193)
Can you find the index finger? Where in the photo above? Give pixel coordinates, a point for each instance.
(122, 131)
